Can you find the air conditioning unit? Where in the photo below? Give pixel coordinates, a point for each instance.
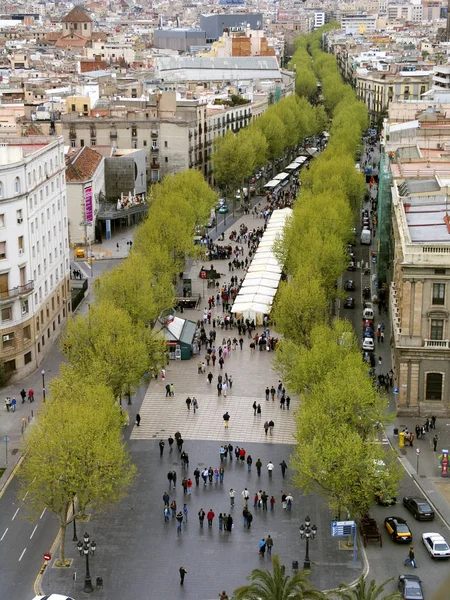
(20, 220)
(5, 338)
(24, 309)
(21, 250)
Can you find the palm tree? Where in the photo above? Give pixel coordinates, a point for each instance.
(277, 586)
(361, 591)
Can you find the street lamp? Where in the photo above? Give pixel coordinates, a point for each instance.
(307, 532)
(43, 384)
(86, 549)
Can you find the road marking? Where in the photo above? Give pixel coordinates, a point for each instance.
(15, 514)
(6, 531)
(21, 556)
(42, 514)
(25, 496)
(84, 272)
(34, 531)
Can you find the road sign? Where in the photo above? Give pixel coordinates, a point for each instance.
(339, 528)
(47, 556)
(6, 439)
(395, 390)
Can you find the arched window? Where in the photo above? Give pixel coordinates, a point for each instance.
(17, 185)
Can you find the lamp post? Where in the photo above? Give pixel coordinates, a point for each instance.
(87, 548)
(43, 384)
(74, 539)
(307, 532)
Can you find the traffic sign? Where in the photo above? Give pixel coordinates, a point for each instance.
(6, 439)
(395, 390)
(47, 556)
(339, 528)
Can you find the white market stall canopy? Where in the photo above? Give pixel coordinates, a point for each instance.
(257, 292)
(271, 184)
(300, 159)
(281, 176)
(292, 166)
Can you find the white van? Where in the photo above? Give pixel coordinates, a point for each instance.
(366, 236)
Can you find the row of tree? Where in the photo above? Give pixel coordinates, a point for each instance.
(341, 411)
(275, 134)
(75, 456)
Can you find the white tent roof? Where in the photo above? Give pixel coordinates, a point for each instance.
(272, 184)
(281, 176)
(262, 282)
(292, 166)
(275, 277)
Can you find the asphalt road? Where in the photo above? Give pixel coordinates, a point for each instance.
(22, 545)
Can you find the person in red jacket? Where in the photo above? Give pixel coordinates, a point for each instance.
(210, 516)
(189, 485)
(242, 455)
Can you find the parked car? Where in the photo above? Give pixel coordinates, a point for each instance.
(351, 266)
(419, 507)
(368, 333)
(367, 323)
(436, 545)
(410, 587)
(398, 530)
(349, 303)
(368, 344)
(368, 313)
(252, 190)
(349, 285)
(223, 208)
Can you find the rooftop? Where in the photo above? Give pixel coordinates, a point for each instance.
(81, 164)
(425, 219)
(77, 15)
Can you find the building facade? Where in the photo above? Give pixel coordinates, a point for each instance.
(34, 250)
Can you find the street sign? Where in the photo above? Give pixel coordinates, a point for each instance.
(395, 390)
(47, 556)
(339, 528)
(6, 439)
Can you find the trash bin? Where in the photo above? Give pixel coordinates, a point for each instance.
(401, 439)
(395, 430)
(295, 565)
(99, 582)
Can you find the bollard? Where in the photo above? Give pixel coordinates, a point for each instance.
(295, 566)
(99, 582)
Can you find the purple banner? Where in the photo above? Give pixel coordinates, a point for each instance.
(88, 204)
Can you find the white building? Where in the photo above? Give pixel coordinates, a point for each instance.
(34, 250)
(319, 19)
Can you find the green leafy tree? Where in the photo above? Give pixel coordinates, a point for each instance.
(275, 133)
(141, 286)
(277, 585)
(233, 162)
(366, 591)
(75, 451)
(106, 345)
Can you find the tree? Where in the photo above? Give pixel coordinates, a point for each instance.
(277, 585)
(106, 345)
(275, 133)
(362, 591)
(141, 285)
(74, 451)
(233, 161)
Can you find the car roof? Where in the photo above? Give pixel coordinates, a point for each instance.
(435, 537)
(410, 578)
(398, 520)
(418, 499)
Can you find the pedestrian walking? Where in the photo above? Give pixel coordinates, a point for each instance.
(289, 501)
(272, 393)
(245, 497)
(166, 514)
(167, 389)
(267, 394)
(13, 404)
(258, 466)
(189, 486)
(188, 402)
(173, 508)
(258, 410)
(170, 440)
(249, 463)
(266, 427)
(232, 495)
(185, 512)
(220, 519)
(210, 516)
(226, 418)
(138, 420)
(161, 447)
(411, 558)
(205, 475)
(262, 547)
(197, 475)
(201, 516)
(31, 395)
(194, 404)
(174, 478)
(270, 468)
(254, 408)
(272, 502)
(288, 403)
(435, 441)
(210, 377)
(229, 523)
(179, 518)
(283, 466)
(269, 545)
(210, 474)
(182, 574)
(166, 498)
(271, 426)
(23, 395)
(221, 474)
(169, 479)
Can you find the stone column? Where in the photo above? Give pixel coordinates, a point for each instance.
(417, 289)
(405, 307)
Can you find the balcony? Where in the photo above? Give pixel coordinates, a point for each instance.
(155, 148)
(20, 290)
(155, 165)
(440, 344)
(154, 135)
(113, 135)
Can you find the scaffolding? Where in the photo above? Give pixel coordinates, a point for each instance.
(385, 244)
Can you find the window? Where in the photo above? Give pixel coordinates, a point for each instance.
(82, 143)
(20, 244)
(27, 358)
(9, 366)
(433, 388)
(7, 313)
(134, 144)
(17, 185)
(2, 250)
(439, 293)
(166, 159)
(27, 333)
(25, 307)
(19, 216)
(2, 220)
(166, 144)
(8, 340)
(437, 329)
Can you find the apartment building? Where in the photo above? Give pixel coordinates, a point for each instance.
(176, 134)
(34, 250)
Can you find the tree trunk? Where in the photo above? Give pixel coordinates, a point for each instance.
(62, 543)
